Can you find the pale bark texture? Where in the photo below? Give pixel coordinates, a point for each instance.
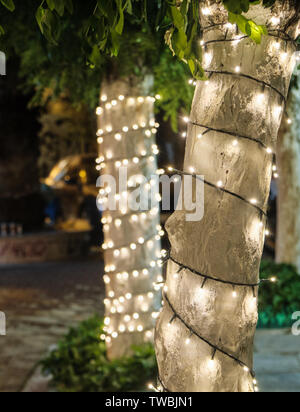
(132, 244)
(288, 199)
(227, 244)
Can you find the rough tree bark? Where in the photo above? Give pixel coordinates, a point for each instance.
(227, 244)
(132, 241)
(288, 199)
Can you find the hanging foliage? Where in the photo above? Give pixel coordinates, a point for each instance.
(179, 19)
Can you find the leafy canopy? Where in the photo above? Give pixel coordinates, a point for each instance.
(72, 63)
(179, 18)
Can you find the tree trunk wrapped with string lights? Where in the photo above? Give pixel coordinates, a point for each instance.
(204, 336)
(132, 245)
(288, 201)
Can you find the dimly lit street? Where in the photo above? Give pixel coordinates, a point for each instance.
(41, 302)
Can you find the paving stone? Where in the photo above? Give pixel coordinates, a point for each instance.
(277, 343)
(38, 383)
(279, 383)
(276, 364)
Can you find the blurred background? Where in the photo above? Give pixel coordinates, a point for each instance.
(51, 261)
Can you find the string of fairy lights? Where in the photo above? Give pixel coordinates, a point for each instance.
(133, 322)
(280, 37)
(128, 312)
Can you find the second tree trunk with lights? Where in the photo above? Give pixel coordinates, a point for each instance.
(288, 201)
(204, 336)
(132, 238)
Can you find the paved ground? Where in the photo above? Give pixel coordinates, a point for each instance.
(277, 361)
(42, 301)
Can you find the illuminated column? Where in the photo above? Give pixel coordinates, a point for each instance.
(204, 335)
(132, 245)
(288, 200)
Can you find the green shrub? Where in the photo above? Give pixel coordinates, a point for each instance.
(79, 364)
(278, 301)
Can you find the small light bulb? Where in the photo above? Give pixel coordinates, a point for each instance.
(269, 150)
(188, 341)
(237, 69)
(277, 45)
(275, 20)
(205, 11)
(273, 279)
(220, 183)
(192, 170)
(200, 136)
(186, 119)
(234, 294)
(253, 201)
(211, 363)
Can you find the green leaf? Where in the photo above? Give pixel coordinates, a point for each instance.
(51, 4)
(69, 6)
(9, 4)
(248, 27)
(59, 6)
(120, 25)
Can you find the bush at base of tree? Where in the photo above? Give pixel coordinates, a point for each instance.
(79, 364)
